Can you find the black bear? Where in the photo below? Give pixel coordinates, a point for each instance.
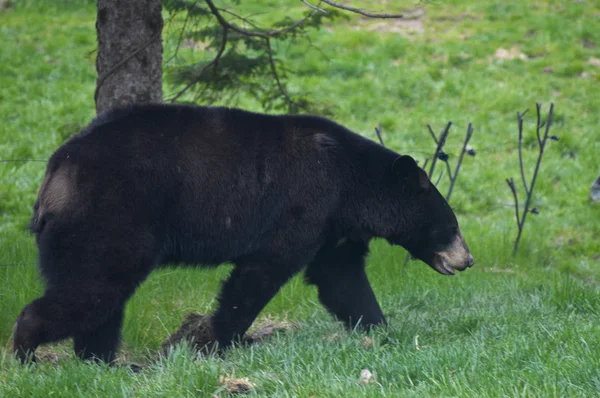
(146, 185)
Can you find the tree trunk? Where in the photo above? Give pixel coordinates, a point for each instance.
(129, 62)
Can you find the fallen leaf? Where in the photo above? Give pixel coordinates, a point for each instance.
(365, 376)
(594, 62)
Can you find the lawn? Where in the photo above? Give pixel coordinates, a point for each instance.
(524, 325)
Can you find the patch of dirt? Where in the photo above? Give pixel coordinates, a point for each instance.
(586, 75)
(411, 24)
(197, 330)
(503, 54)
(195, 45)
(54, 353)
(588, 44)
(565, 238)
(5, 5)
(234, 385)
(594, 62)
(457, 18)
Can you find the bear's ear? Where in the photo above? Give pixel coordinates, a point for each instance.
(407, 169)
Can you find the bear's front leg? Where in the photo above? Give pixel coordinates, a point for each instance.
(338, 271)
(248, 290)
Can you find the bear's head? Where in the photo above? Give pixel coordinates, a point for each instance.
(426, 225)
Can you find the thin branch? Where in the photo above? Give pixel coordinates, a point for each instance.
(511, 184)
(539, 124)
(182, 31)
(245, 20)
(276, 75)
(454, 176)
(214, 63)
(542, 147)
(432, 133)
(520, 123)
(440, 177)
(378, 131)
(264, 35)
(314, 7)
(449, 175)
(114, 68)
(361, 12)
(438, 149)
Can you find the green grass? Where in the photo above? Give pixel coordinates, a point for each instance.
(511, 326)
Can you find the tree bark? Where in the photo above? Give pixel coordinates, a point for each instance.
(129, 61)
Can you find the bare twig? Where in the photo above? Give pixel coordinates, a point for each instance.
(440, 145)
(245, 20)
(432, 134)
(181, 32)
(314, 7)
(513, 188)
(454, 176)
(361, 12)
(521, 218)
(378, 131)
(276, 76)
(539, 123)
(264, 35)
(439, 177)
(520, 123)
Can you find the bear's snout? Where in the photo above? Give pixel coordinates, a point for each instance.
(456, 256)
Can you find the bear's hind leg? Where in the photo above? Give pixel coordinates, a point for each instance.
(89, 311)
(34, 327)
(338, 271)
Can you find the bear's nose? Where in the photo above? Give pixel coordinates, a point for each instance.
(470, 261)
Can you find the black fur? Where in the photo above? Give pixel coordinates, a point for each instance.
(147, 185)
